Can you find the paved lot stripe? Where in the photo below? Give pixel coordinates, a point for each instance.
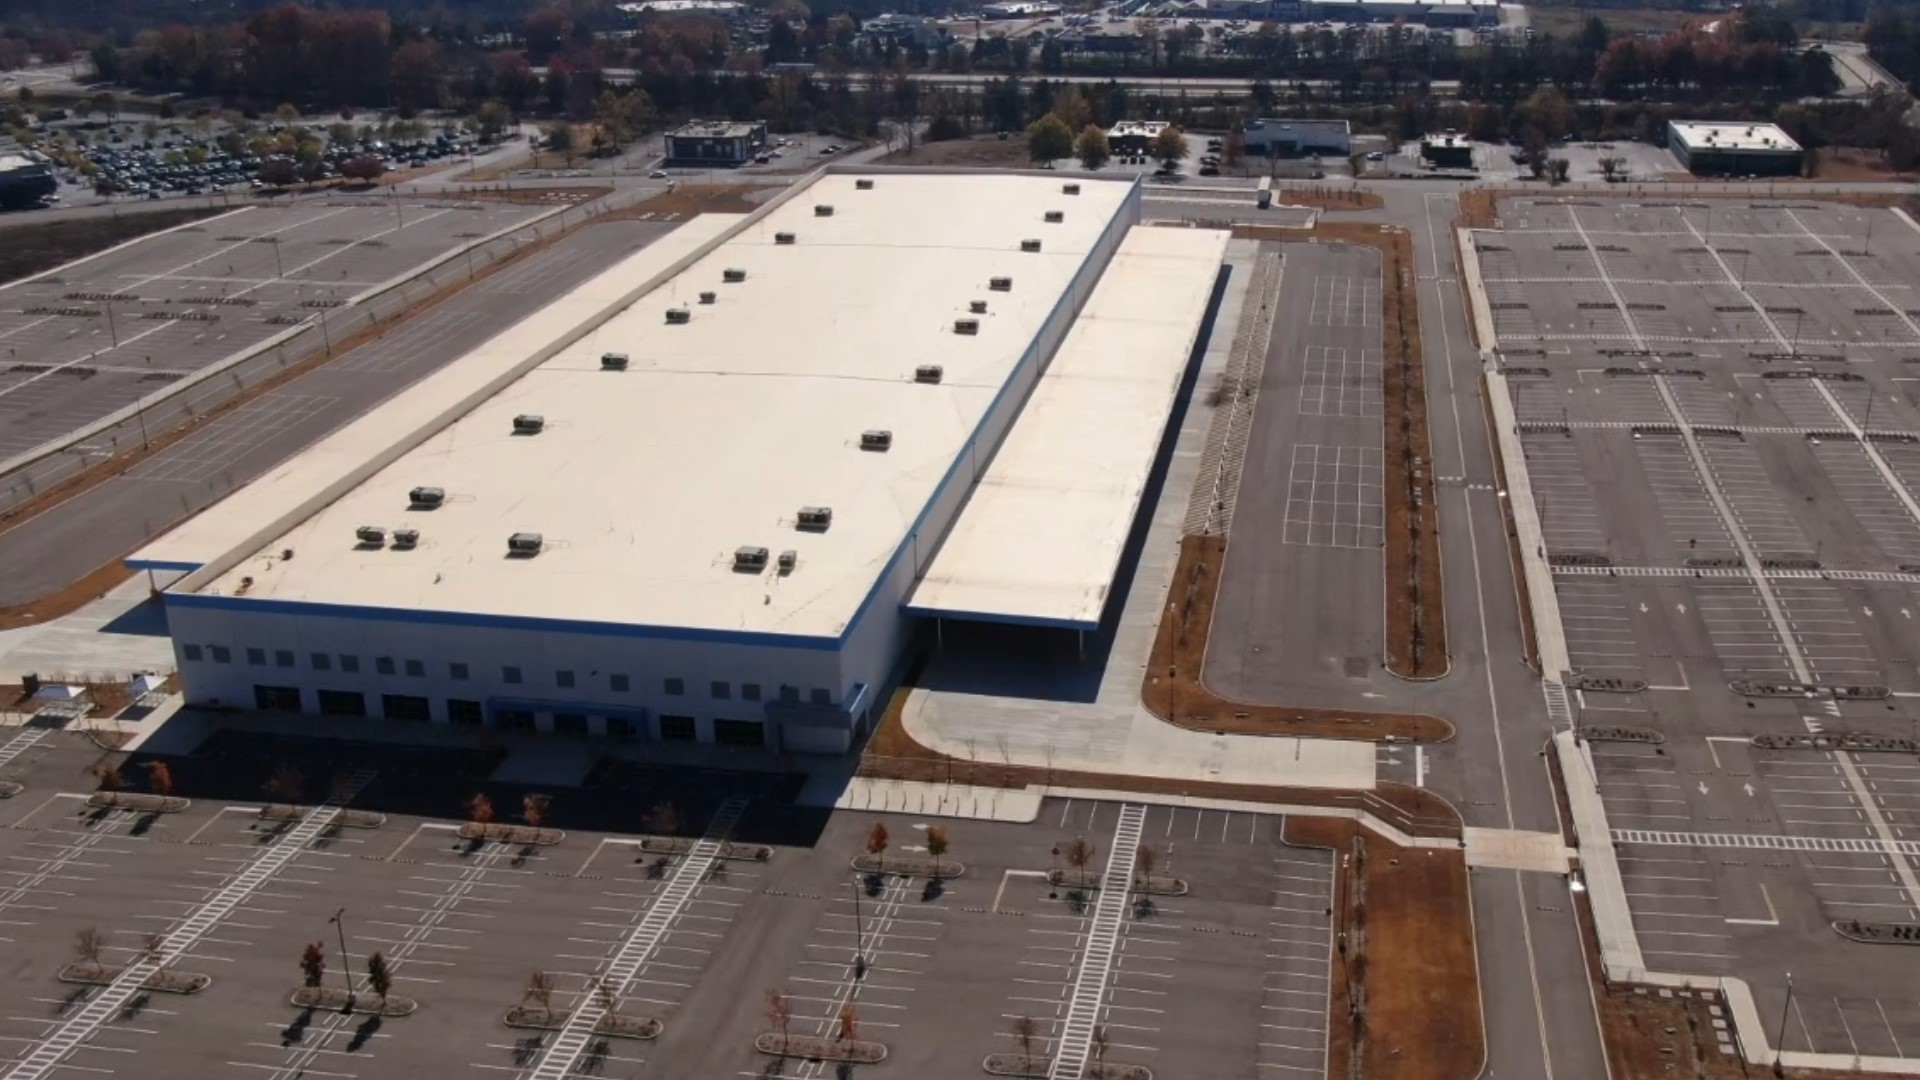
(560, 1057)
(20, 744)
(1096, 955)
(46, 1056)
(1770, 843)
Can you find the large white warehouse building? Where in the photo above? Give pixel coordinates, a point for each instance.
(706, 495)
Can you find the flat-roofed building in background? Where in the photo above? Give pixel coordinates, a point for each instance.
(1299, 138)
(1134, 136)
(716, 142)
(1716, 149)
(25, 180)
(1448, 150)
(691, 499)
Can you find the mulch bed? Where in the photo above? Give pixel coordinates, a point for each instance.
(1157, 885)
(1174, 692)
(336, 1000)
(139, 802)
(674, 845)
(817, 1048)
(1523, 596)
(615, 1025)
(1408, 924)
(165, 982)
(281, 813)
(909, 866)
(512, 834)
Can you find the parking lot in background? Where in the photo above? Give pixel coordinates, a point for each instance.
(1692, 381)
(1198, 985)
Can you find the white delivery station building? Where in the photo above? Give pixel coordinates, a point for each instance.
(707, 495)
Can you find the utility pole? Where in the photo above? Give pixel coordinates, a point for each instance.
(346, 963)
(1780, 1038)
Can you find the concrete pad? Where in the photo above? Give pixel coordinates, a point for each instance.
(940, 800)
(1516, 849)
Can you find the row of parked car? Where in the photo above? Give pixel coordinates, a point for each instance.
(144, 170)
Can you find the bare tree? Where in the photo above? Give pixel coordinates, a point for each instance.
(87, 943)
(152, 946)
(1025, 1029)
(1102, 1042)
(379, 976)
(846, 1026)
(1080, 854)
(779, 1014)
(1145, 860)
(538, 991)
(313, 964)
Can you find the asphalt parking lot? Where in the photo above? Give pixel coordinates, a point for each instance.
(1716, 408)
(94, 337)
(1195, 985)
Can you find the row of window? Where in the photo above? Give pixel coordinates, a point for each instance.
(407, 707)
(512, 675)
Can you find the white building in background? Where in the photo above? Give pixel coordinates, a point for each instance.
(706, 495)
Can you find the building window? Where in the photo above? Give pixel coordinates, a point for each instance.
(564, 679)
(619, 727)
(749, 691)
(342, 703)
(790, 694)
(820, 697)
(405, 707)
(458, 671)
(675, 687)
(618, 682)
(191, 652)
(383, 665)
(465, 713)
(516, 719)
(417, 669)
(739, 733)
(321, 661)
(257, 657)
(677, 729)
(283, 658)
(722, 690)
(349, 663)
(569, 723)
(222, 654)
(510, 675)
(276, 698)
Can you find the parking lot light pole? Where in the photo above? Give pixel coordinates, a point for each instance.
(346, 963)
(1780, 1038)
(859, 934)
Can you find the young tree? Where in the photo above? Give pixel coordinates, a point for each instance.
(152, 946)
(1610, 166)
(1048, 140)
(313, 964)
(1092, 148)
(877, 842)
(87, 943)
(365, 168)
(846, 1026)
(1080, 853)
(560, 137)
(936, 845)
(1145, 859)
(533, 809)
(1170, 146)
(1024, 1030)
(480, 809)
(1559, 167)
(159, 778)
(779, 1014)
(379, 975)
(605, 995)
(1102, 1041)
(107, 775)
(538, 991)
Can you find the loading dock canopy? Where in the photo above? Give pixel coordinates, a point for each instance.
(1039, 542)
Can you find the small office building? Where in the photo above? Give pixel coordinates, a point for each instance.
(1712, 149)
(1299, 138)
(708, 142)
(1447, 151)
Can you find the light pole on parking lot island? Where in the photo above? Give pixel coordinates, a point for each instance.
(1780, 1038)
(346, 963)
(859, 936)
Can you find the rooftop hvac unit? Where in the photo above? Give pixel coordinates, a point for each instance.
(678, 316)
(524, 543)
(978, 307)
(863, 185)
(1069, 189)
(370, 534)
(788, 560)
(709, 297)
(1055, 217)
(816, 517)
(822, 210)
(529, 424)
(876, 439)
(966, 326)
(613, 361)
(406, 539)
(928, 373)
(426, 497)
(1029, 245)
(1000, 284)
(750, 558)
(783, 238)
(733, 275)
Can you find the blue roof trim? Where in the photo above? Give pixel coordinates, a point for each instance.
(477, 620)
(161, 564)
(1004, 618)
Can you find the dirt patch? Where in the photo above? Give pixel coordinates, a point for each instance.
(1523, 597)
(893, 754)
(982, 153)
(1480, 207)
(102, 578)
(1328, 197)
(1174, 692)
(692, 200)
(26, 250)
(1416, 607)
(1406, 985)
